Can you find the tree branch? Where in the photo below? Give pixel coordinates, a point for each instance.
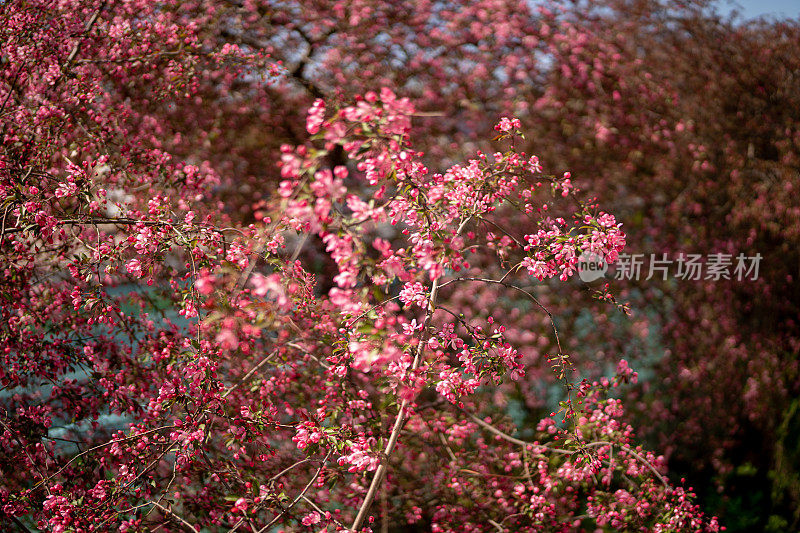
(401, 414)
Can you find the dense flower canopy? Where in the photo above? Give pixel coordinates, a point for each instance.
(295, 264)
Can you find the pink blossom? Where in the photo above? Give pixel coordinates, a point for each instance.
(413, 294)
(506, 124)
(65, 189)
(134, 267)
(316, 116)
(205, 283)
(361, 457)
(270, 287)
(311, 518)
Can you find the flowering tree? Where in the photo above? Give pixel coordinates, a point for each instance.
(184, 345)
(164, 363)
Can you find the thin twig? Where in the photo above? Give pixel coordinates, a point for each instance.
(173, 515)
(247, 376)
(86, 31)
(299, 496)
(523, 291)
(596, 444)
